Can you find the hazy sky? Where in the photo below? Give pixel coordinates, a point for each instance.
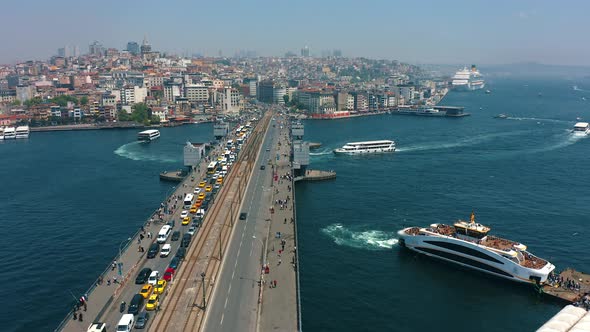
(446, 31)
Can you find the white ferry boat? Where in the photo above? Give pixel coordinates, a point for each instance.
(581, 128)
(468, 244)
(366, 147)
(148, 135)
(468, 80)
(1, 133)
(22, 132)
(9, 133)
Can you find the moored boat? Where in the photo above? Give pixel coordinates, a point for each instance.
(468, 244)
(22, 132)
(9, 133)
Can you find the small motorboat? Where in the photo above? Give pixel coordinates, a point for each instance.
(501, 116)
(488, 92)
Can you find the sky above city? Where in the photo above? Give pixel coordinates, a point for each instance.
(419, 32)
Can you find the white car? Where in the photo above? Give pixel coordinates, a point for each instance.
(200, 213)
(165, 250)
(197, 190)
(153, 279)
(192, 230)
(183, 214)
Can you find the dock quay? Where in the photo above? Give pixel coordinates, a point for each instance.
(173, 176)
(563, 289)
(316, 175)
(90, 126)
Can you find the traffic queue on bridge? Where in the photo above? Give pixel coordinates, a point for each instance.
(154, 283)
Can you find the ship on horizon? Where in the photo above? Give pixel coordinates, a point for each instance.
(468, 80)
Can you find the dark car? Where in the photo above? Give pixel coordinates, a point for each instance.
(243, 216)
(208, 199)
(171, 223)
(153, 251)
(143, 276)
(175, 262)
(212, 181)
(142, 320)
(175, 236)
(135, 304)
(186, 240)
(180, 253)
(262, 167)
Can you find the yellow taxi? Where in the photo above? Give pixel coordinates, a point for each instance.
(146, 291)
(219, 180)
(193, 209)
(208, 188)
(153, 302)
(198, 203)
(160, 286)
(187, 220)
(202, 195)
(202, 184)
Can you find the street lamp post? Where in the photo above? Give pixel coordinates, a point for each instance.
(204, 289)
(120, 267)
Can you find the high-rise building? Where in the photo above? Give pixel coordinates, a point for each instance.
(305, 51)
(133, 48)
(96, 48)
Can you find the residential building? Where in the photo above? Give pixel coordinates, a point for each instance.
(230, 100)
(196, 93)
(133, 94)
(25, 92)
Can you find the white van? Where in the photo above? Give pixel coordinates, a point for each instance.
(165, 250)
(125, 323)
(163, 234)
(200, 213)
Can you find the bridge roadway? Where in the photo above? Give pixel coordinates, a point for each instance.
(182, 309)
(234, 303)
(104, 299)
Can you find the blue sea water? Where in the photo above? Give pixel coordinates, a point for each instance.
(525, 176)
(70, 198)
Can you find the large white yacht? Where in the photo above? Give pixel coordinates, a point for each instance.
(468, 79)
(9, 133)
(22, 132)
(148, 135)
(581, 128)
(366, 147)
(468, 244)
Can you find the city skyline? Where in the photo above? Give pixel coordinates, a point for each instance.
(456, 32)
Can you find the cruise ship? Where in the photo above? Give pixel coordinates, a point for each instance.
(22, 132)
(148, 135)
(9, 133)
(366, 147)
(581, 128)
(468, 80)
(468, 244)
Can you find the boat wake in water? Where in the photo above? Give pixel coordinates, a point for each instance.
(371, 240)
(537, 119)
(132, 151)
(460, 143)
(321, 153)
(563, 140)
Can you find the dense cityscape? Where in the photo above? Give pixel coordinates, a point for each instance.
(146, 86)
